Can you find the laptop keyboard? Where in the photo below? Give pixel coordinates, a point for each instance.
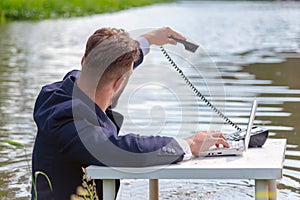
(235, 144)
(236, 135)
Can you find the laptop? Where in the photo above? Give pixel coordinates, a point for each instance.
(236, 147)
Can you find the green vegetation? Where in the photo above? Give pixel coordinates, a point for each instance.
(87, 191)
(42, 9)
(36, 174)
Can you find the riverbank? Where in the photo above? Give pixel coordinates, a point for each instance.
(44, 9)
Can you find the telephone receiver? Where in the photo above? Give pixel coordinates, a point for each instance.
(259, 135)
(187, 45)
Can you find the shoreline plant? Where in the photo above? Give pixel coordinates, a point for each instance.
(45, 9)
(36, 174)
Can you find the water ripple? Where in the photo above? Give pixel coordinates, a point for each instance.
(236, 35)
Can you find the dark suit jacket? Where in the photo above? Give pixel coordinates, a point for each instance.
(73, 132)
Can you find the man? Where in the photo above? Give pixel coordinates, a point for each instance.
(77, 127)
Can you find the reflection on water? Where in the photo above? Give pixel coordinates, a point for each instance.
(246, 40)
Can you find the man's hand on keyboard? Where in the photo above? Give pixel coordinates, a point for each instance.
(203, 140)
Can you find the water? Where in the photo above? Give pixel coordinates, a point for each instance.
(255, 46)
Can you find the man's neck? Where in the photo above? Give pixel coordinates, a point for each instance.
(102, 97)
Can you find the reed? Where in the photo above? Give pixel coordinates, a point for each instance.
(36, 174)
(87, 191)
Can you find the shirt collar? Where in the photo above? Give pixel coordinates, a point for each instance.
(69, 84)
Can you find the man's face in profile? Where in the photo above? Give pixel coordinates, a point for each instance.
(116, 96)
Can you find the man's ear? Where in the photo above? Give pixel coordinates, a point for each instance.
(82, 60)
(118, 83)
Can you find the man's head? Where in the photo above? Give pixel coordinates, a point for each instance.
(108, 59)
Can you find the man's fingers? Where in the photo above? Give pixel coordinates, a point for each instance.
(221, 136)
(222, 141)
(216, 138)
(218, 134)
(176, 34)
(171, 41)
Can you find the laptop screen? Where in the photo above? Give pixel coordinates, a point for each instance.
(250, 123)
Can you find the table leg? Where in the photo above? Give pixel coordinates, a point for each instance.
(261, 190)
(153, 189)
(109, 189)
(272, 189)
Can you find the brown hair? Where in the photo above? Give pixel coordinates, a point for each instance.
(120, 50)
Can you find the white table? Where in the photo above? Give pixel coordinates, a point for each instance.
(262, 164)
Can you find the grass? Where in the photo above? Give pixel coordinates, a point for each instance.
(43, 9)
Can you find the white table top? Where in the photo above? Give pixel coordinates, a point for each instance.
(256, 163)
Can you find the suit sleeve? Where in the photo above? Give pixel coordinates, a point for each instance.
(102, 146)
(139, 61)
(83, 137)
(144, 50)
